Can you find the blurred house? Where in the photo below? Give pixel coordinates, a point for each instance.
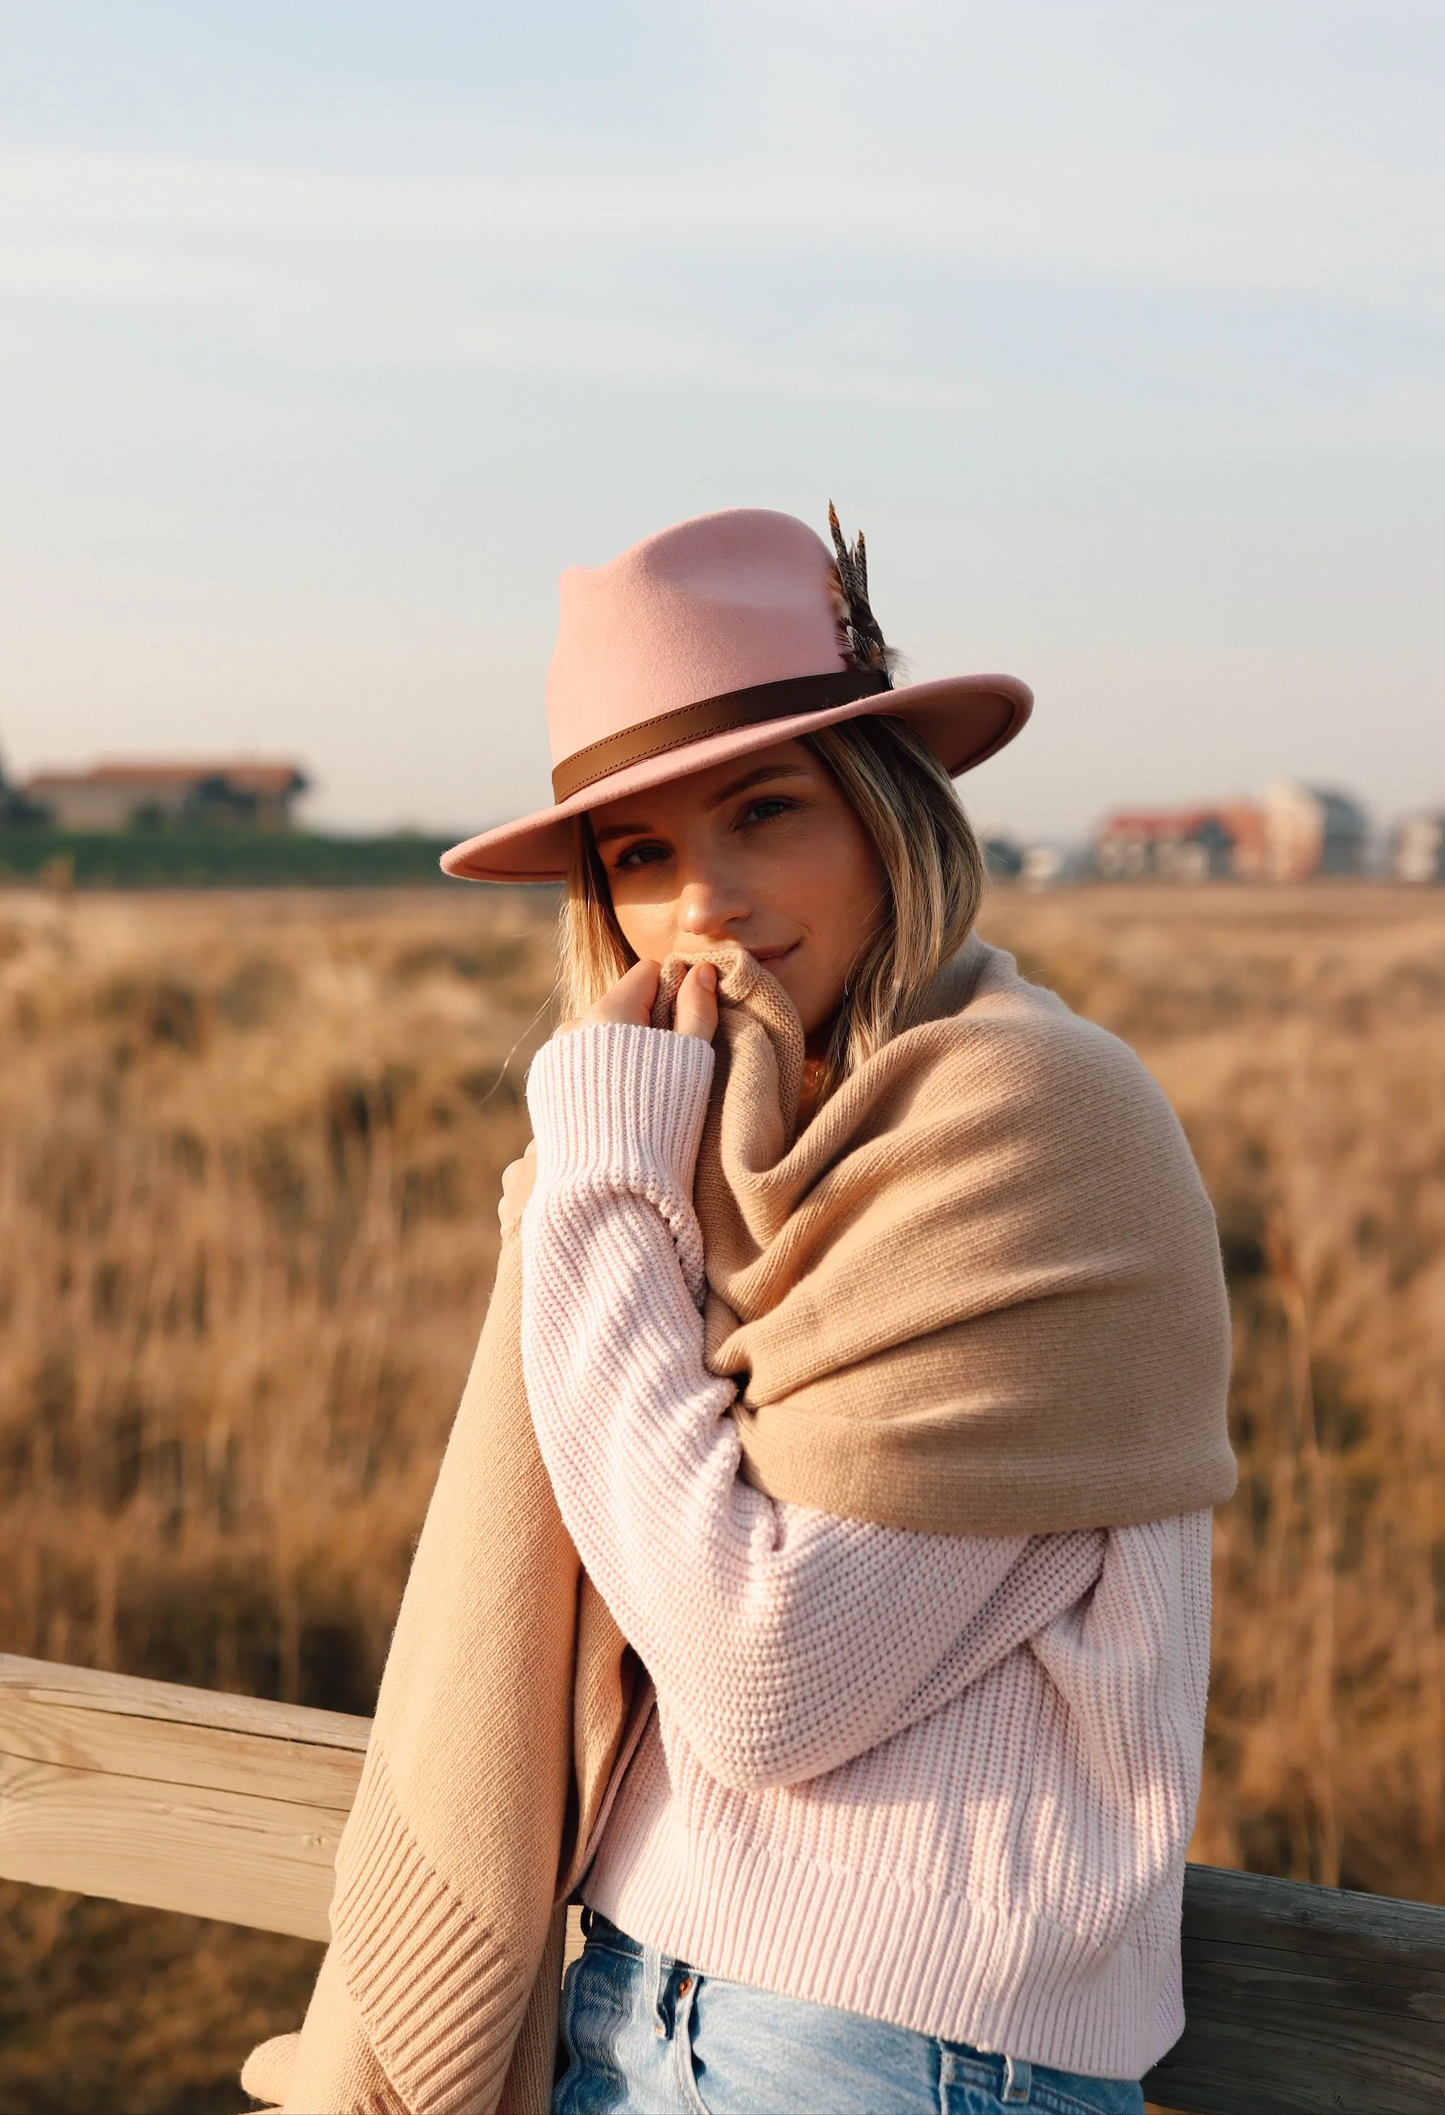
(1308, 831)
(1244, 822)
(1004, 858)
(1294, 833)
(1037, 866)
(1169, 844)
(1418, 850)
(1045, 865)
(141, 796)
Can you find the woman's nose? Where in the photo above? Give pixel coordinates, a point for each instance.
(708, 906)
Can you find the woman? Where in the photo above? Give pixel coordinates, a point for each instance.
(860, 1373)
(835, 1873)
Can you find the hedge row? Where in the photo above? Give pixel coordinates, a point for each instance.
(216, 858)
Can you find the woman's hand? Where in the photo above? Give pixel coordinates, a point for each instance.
(517, 1180)
(630, 1001)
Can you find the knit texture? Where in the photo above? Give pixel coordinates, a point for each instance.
(942, 1780)
(507, 1698)
(510, 1696)
(981, 1292)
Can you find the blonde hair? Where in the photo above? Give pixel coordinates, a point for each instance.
(933, 871)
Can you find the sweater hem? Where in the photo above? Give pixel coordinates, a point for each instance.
(941, 1964)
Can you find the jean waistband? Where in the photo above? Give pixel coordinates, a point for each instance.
(1009, 2076)
(605, 1932)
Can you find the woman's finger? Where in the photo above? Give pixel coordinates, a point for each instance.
(518, 1179)
(632, 995)
(629, 1001)
(696, 1011)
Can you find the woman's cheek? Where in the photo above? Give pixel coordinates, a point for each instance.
(648, 929)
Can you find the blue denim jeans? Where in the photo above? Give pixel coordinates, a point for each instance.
(647, 2034)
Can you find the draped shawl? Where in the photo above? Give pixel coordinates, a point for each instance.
(979, 1293)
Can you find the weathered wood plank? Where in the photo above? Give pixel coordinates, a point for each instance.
(264, 1862)
(1302, 1999)
(1299, 1999)
(89, 1689)
(175, 1798)
(168, 1752)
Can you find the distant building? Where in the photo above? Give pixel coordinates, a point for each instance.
(1294, 833)
(1004, 858)
(1308, 831)
(1245, 823)
(1167, 844)
(141, 796)
(1418, 850)
(1043, 866)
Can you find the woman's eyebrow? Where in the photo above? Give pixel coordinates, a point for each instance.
(623, 829)
(609, 832)
(753, 778)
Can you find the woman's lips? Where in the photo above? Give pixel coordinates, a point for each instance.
(770, 955)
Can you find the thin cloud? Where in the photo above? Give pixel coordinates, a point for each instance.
(114, 273)
(1264, 230)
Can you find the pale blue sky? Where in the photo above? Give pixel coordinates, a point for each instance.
(329, 334)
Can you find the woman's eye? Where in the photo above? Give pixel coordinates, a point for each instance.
(765, 810)
(639, 856)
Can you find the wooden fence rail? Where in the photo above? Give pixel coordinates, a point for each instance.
(1300, 1999)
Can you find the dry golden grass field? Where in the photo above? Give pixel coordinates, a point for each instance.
(250, 1151)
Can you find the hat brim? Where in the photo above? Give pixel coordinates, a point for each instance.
(964, 720)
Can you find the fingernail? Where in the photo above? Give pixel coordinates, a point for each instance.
(707, 976)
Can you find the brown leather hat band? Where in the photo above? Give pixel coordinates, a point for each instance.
(690, 723)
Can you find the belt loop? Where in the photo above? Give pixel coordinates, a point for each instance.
(654, 1982)
(1018, 2079)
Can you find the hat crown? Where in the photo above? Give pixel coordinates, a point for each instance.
(713, 605)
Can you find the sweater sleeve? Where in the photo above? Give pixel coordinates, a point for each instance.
(783, 1641)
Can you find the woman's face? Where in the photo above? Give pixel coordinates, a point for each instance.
(764, 850)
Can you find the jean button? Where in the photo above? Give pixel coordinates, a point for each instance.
(684, 1985)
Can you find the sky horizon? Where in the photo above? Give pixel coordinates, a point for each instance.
(330, 335)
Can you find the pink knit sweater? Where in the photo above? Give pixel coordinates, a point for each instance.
(945, 1781)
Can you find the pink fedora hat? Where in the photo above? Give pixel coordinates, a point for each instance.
(710, 639)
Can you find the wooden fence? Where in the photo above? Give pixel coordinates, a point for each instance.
(1300, 1999)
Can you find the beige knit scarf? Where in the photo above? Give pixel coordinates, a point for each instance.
(980, 1293)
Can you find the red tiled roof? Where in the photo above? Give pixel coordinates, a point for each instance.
(1153, 822)
(1174, 822)
(248, 778)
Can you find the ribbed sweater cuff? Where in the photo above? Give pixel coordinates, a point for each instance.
(620, 1108)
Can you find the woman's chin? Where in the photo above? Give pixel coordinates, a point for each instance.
(817, 1018)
